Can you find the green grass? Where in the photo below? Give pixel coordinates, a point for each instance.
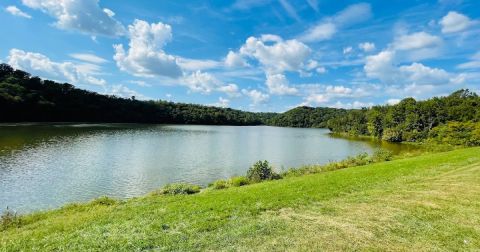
(429, 202)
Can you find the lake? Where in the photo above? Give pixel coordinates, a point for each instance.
(43, 166)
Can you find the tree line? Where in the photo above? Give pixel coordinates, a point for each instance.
(24, 98)
(455, 117)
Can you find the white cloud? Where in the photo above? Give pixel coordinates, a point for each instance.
(472, 64)
(418, 40)
(125, 92)
(256, 96)
(84, 16)
(455, 22)
(289, 9)
(109, 12)
(195, 64)
(92, 58)
(382, 66)
(278, 57)
(325, 29)
(145, 56)
(393, 101)
(313, 4)
(14, 10)
(206, 83)
(418, 73)
(320, 32)
(347, 50)
(278, 85)
(338, 91)
(41, 65)
(315, 99)
(367, 46)
(222, 103)
(235, 60)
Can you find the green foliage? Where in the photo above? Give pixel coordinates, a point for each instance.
(26, 98)
(238, 181)
(9, 219)
(306, 117)
(104, 201)
(457, 133)
(260, 171)
(380, 155)
(413, 121)
(179, 188)
(220, 184)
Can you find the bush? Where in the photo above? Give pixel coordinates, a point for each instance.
(382, 155)
(239, 181)
(220, 184)
(260, 171)
(179, 188)
(456, 133)
(9, 219)
(392, 135)
(105, 201)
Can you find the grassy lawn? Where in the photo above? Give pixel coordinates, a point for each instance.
(430, 202)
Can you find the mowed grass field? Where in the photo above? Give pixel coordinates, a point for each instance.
(425, 203)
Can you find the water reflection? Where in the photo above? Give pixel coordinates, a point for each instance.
(48, 165)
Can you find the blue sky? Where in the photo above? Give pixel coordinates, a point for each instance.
(258, 55)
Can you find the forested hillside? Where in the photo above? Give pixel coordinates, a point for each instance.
(452, 119)
(306, 117)
(26, 98)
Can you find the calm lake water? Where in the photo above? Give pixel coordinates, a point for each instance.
(46, 166)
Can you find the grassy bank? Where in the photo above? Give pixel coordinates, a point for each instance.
(429, 202)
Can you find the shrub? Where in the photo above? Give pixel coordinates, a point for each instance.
(260, 171)
(456, 133)
(105, 201)
(382, 155)
(9, 219)
(220, 184)
(392, 135)
(179, 188)
(238, 181)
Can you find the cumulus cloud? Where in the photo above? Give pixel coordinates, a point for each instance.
(455, 22)
(222, 103)
(367, 46)
(84, 16)
(145, 56)
(14, 10)
(393, 101)
(278, 84)
(327, 28)
(125, 92)
(418, 40)
(256, 96)
(382, 66)
(278, 57)
(235, 60)
(206, 83)
(41, 65)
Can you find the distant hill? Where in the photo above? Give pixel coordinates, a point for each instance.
(24, 98)
(306, 117)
